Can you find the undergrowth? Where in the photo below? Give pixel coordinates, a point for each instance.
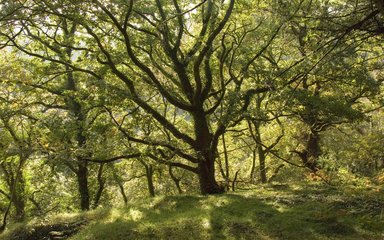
(269, 212)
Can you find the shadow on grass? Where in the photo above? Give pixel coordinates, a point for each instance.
(176, 217)
(249, 218)
(236, 216)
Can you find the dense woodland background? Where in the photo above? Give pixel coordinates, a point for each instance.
(104, 102)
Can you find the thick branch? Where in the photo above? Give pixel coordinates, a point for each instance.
(113, 159)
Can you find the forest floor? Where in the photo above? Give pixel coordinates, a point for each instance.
(266, 212)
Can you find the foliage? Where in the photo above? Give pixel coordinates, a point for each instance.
(103, 103)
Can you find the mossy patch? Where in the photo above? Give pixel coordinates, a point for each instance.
(294, 212)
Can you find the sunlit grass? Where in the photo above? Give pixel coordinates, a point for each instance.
(266, 213)
(269, 212)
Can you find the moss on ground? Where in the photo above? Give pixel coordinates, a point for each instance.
(269, 212)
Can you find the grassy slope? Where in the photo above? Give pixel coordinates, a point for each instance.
(264, 213)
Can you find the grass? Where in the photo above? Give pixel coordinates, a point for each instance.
(270, 212)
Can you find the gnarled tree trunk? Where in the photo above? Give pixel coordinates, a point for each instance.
(206, 151)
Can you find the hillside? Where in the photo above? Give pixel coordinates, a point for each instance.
(129, 119)
(273, 212)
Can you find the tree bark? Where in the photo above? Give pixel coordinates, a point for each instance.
(122, 191)
(226, 163)
(263, 172)
(19, 198)
(82, 181)
(208, 184)
(13, 186)
(313, 152)
(235, 180)
(310, 155)
(101, 182)
(175, 180)
(313, 148)
(75, 108)
(261, 150)
(149, 174)
(206, 151)
(82, 165)
(253, 167)
(120, 183)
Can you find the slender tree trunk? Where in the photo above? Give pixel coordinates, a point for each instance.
(13, 189)
(120, 183)
(75, 108)
(221, 169)
(226, 163)
(122, 191)
(261, 155)
(101, 182)
(82, 168)
(16, 184)
(82, 181)
(253, 167)
(177, 183)
(19, 198)
(235, 180)
(149, 174)
(261, 152)
(175, 179)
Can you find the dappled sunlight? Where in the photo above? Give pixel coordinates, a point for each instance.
(113, 215)
(206, 206)
(264, 215)
(156, 201)
(202, 119)
(206, 223)
(135, 214)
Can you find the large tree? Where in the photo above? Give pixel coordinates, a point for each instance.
(183, 51)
